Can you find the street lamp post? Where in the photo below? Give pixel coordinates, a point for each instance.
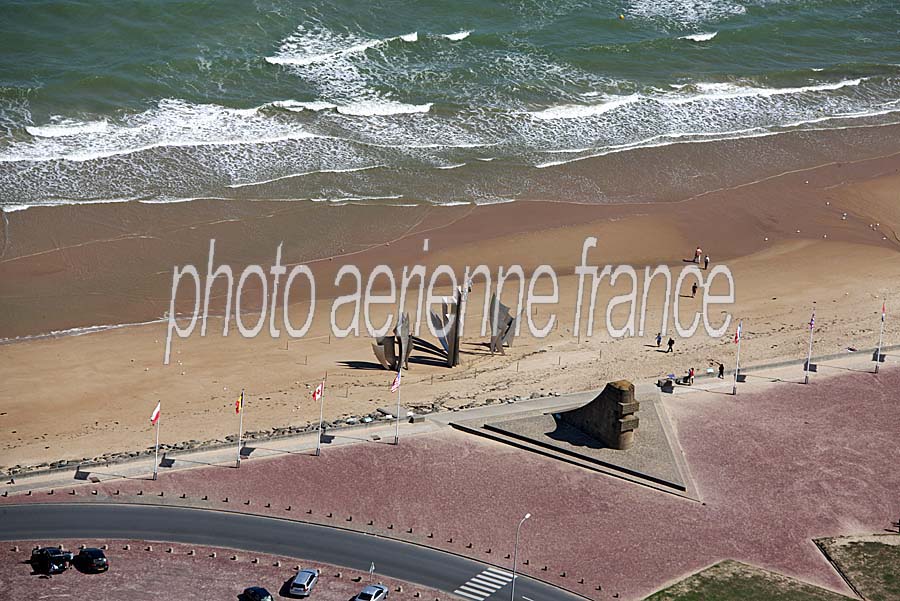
(512, 592)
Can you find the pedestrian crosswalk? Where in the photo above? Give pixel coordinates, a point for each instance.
(485, 584)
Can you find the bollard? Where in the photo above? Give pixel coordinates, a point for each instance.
(409, 530)
(562, 574)
(149, 547)
(117, 491)
(51, 492)
(213, 554)
(357, 579)
(488, 550)
(81, 546)
(104, 546)
(183, 496)
(371, 522)
(140, 492)
(399, 589)
(329, 515)
(338, 575)
(225, 500)
(431, 535)
(277, 563)
(234, 558)
(581, 581)
(15, 548)
(169, 550)
(525, 562)
(349, 518)
(309, 511)
(390, 526)
(247, 502)
(205, 498)
(28, 494)
(268, 505)
(544, 569)
(191, 552)
(93, 492)
(254, 560)
(161, 493)
(450, 540)
(506, 556)
(126, 547)
(288, 508)
(469, 546)
(73, 492)
(416, 594)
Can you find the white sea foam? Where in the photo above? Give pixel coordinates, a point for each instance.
(452, 166)
(297, 106)
(700, 37)
(707, 92)
(303, 174)
(685, 12)
(66, 127)
(381, 107)
(459, 35)
(300, 50)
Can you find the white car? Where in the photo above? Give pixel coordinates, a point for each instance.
(373, 592)
(303, 582)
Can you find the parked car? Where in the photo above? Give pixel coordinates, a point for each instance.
(373, 592)
(92, 560)
(303, 583)
(50, 560)
(257, 593)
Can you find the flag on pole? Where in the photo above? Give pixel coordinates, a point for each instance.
(812, 320)
(317, 393)
(154, 417)
(737, 333)
(395, 385)
(239, 404)
(883, 303)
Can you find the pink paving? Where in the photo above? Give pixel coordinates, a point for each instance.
(774, 470)
(137, 574)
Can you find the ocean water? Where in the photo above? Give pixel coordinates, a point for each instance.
(398, 102)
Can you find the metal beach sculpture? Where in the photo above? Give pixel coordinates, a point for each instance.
(503, 326)
(392, 351)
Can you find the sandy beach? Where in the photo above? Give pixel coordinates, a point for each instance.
(782, 232)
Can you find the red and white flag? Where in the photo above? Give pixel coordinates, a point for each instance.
(317, 393)
(883, 307)
(737, 333)
(395, 385)
(154, 417)
(812, 320)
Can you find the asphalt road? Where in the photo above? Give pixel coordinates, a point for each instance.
(395, 559)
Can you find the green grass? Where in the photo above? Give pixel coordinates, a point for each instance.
(732, 580)
(871, 565)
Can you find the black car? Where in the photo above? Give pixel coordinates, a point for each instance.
(50, 560)
(257, 593)
(92, 560)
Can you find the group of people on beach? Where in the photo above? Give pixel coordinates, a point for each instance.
(698, 256)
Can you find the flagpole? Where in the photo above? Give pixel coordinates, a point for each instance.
(321, 414)
(737, 360)
(397, 431)
(240, 430)
(880, 339)
(812, 322)
(156, 455)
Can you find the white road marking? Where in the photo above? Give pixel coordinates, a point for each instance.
(481, 586)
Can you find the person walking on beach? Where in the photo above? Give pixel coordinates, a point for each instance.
(691, 376)
(706, 262)
(697, 254)
(722, 371)
(694, 290)
(658, 339)
(670, 343)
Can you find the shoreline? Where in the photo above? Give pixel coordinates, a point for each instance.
(44, 243)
